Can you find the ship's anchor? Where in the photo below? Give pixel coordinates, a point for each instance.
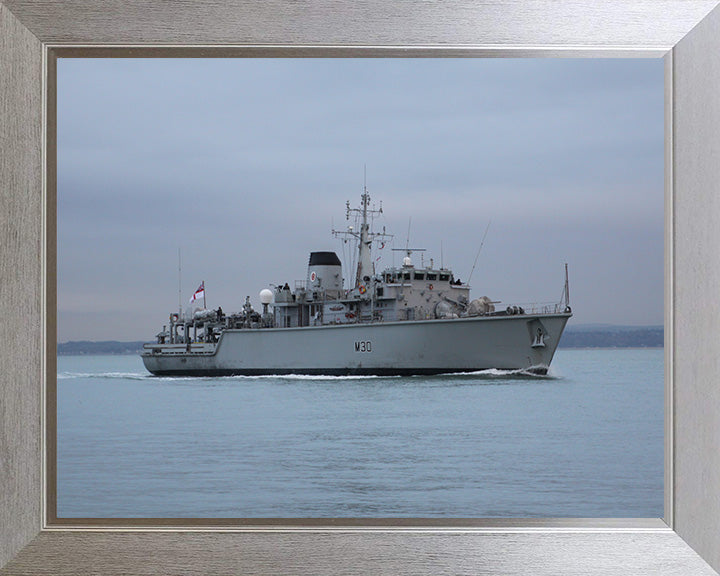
(539, 341)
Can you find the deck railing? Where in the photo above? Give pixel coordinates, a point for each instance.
(541, 307)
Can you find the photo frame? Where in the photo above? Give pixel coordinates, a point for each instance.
(684, 33)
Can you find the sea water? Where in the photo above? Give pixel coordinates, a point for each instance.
(584, 441)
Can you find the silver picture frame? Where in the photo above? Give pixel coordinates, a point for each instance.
(686, 33)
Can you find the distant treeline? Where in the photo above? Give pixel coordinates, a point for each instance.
(573, 337)
(106, 347)
(613, 338)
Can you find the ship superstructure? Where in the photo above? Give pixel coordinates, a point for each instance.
(402, 320)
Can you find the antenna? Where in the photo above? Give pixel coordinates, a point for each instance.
(567, 287)
(364, 236)
(408, 251)
(482, 243)
(179, 284)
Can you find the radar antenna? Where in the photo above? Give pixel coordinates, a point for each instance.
(365, 237)
(408, 251)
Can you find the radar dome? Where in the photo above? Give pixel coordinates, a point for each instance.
(266, 296)
(407, 261)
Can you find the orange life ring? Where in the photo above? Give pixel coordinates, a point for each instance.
(430, 286)
(362, 289)
(173, 317)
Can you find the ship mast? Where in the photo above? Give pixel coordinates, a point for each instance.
(365, 266)
(365, 236)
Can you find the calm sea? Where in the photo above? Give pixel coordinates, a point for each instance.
(585, 441)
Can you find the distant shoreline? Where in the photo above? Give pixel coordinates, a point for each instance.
(575, 337)
(613, 337)
(610, 347)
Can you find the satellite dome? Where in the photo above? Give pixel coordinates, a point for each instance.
(407, 261)
(266, 296)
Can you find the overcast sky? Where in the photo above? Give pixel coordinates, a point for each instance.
(246, 164)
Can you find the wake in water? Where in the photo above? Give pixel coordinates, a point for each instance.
(106, 375)
(489, 374)
(239, 377)
(494, 373)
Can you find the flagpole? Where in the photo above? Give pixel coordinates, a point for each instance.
(204, 302)
(179, 284)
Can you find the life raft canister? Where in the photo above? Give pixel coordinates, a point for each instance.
(362, 289)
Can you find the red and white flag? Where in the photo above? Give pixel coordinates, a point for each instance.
(199, 293)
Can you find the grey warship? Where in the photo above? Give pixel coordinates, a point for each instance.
(404, 320)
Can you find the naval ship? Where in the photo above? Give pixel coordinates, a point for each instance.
(404, 320)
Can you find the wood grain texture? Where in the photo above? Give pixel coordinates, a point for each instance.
(658, 23)
(697, 255)
(396, 554)
(20, 283)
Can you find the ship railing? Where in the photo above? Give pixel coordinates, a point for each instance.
(180, 348)
(540, 307)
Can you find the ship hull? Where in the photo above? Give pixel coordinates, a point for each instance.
(519, 342)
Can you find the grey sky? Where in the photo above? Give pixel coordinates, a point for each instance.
(245, 164)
